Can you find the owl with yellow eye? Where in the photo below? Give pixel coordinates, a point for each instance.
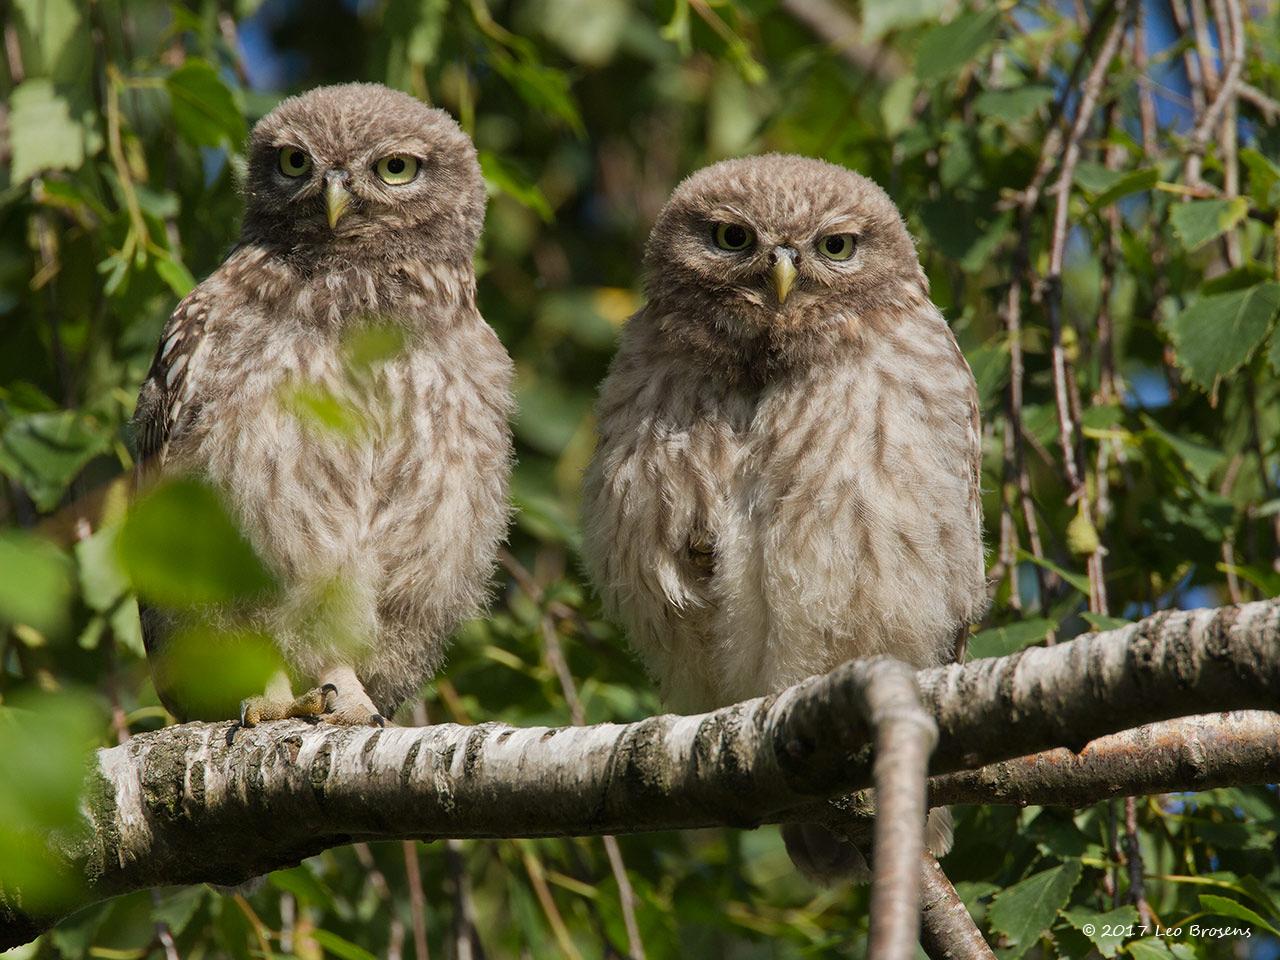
(363, 211)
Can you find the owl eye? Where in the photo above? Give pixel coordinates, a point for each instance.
(837, 246)
(396, 169)
(294, 162)
(732, 236)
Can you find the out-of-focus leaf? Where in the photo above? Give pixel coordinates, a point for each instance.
(1199, 221)
(1105, 930)
(1264, 175)
(46, 451)
(1150, 948)
(1217, 334)
(48, 738)
(175, 274)
(879, 17)
(177, 909)
(499, 178)
(1135, 181)
(181, 548)
(204, 109)
(1226, 907)
(52, 25)
(1026, 910)
(1077, 580)
(948, 47)
(587, 30)
(1002, 641)
(1013, 105)
(102, 582)
(1199, 460)
(35, 584)
(1102, 622)
(340, 947)
(209, 671)
(42, 133)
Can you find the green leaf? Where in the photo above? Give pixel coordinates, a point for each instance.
(1199, 459)
(1199, 221)
(339, 947)
(1077, 580)
(1101, 622)
(879, 17)
(1100, 927)
(204, 109)
(1226, 907)
(1273, 353)
(1264, 174)
(1025, 911)
(175, 274)
(500, 178)
(1134, 182)
(1152, 948)
(948, 47)
(42, 133)
(1218, 334)
(102, 581)
(1002, 641)
(45, 452)
(180, 547)
(1013, 105)
(35, 583)
(210, 671)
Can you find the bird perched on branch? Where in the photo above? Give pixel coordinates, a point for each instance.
(334, 380)
(789, 450)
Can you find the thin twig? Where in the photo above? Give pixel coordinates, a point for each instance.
(1225, 94)
(1133, 858)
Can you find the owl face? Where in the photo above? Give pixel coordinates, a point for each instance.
(363, 171)
(778, 243)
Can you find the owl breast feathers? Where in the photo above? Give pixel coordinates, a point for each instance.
(382, 524)
(788, 461)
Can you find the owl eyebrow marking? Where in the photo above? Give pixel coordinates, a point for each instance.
(725, 211)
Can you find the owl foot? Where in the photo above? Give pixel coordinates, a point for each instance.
(314, 703)
(351, 707)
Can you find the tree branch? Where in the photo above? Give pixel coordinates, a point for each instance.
(181, 805)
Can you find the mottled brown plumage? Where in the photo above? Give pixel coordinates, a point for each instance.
(382, 529)
(788, 461)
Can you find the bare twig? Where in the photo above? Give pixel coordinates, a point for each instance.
(1224, 95)
(947, 932)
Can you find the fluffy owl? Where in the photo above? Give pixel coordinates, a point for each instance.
(380, 520)
(789, 450)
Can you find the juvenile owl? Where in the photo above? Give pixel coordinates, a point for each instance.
(334, 380)
(789, 450)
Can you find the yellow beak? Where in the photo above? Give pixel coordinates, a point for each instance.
(784, 273)
(336, 201)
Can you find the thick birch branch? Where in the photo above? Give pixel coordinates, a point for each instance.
(181, 805)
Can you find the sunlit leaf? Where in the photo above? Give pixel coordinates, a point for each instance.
(1199, 221)
(42, 132)
(948, 47)
(35, 583)
(1026, 910)
(209, 671)
(1217, 334)
(1010, 638)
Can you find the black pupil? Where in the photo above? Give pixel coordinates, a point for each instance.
(297, 158)
(735, 236)
(835, 244)
(395, 165)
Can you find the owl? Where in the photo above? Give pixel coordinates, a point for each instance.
(787, 468)
(335, 382)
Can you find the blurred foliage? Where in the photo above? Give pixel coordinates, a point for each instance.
(124, 123)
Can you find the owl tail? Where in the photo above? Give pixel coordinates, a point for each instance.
(827, 858)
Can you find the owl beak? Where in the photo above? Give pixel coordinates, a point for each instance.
(337, 198)
(784, 272)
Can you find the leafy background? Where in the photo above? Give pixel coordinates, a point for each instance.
(125, 123)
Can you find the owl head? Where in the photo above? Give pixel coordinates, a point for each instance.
(364, 172)
(780, 252)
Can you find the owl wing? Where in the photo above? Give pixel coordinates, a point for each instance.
(169, 401)
(975, 485)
